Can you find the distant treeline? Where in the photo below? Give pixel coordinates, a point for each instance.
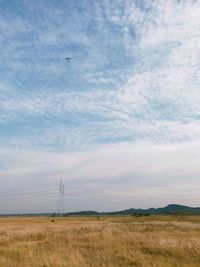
(172, 209)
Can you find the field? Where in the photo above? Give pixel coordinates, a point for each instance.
(100, 241)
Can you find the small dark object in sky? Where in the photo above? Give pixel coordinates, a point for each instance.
(68, 59)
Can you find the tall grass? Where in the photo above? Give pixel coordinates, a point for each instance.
(105, 241)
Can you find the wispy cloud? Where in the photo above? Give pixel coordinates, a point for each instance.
(133, 79)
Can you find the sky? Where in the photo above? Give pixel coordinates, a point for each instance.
(119, 123)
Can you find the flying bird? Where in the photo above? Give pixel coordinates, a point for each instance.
(68, 59)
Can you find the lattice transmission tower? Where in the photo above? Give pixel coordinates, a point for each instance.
(61, 195)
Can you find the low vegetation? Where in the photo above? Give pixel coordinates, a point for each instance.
(100, 241)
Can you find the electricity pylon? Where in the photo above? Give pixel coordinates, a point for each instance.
(61, 195)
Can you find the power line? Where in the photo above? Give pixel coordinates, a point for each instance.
(41, 195)
(27, 192)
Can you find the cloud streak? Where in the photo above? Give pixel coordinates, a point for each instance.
(133, 81)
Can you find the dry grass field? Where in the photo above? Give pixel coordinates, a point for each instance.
(106, 241)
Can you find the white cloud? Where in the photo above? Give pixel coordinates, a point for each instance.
(171, 21)
(130, 172)
(158, 103)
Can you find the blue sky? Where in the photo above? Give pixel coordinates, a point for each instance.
(121, 119)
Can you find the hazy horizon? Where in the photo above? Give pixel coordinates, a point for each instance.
(119, 123)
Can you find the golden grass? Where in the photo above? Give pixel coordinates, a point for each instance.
(106, 241)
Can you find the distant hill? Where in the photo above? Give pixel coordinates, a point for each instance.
(170, 209)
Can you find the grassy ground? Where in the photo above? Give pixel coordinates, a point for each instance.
(106, 241)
